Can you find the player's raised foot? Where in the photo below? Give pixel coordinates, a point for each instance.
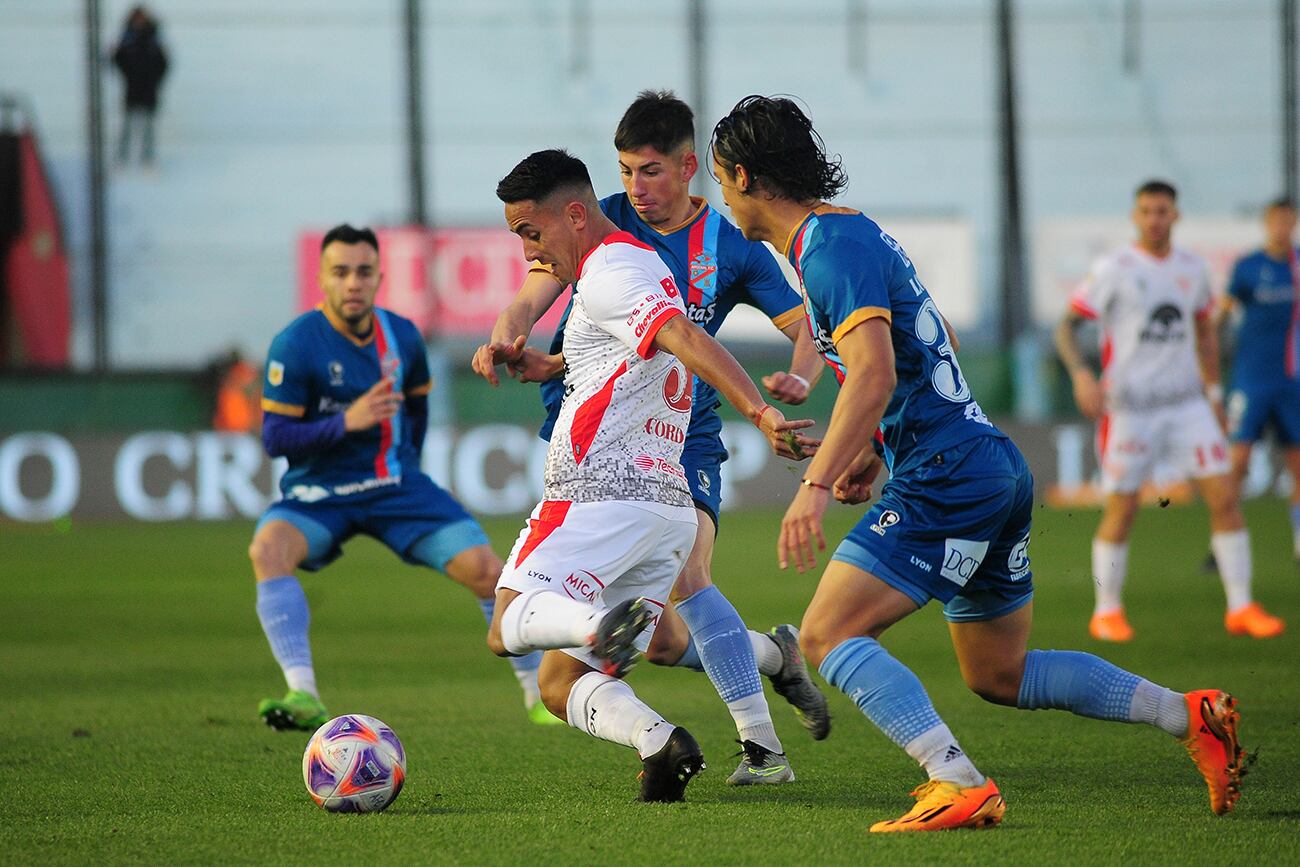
(665, 774)
(759, 766)
(1254, 621)
(298, 710)
(1110, 626)
(944, 806)
(1212, 743)
(795, 684)
(538, 713)
(613, 642)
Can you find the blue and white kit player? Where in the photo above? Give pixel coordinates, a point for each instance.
(952, 523)
(345, 400)
(720, 269)
(1265, 393)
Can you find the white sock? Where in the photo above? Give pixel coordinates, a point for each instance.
(937, 751)
(605, 707)
(754, 721)
(1232, 553)
(545, 620)
(766, 653)
(1109, 566)
(1157, 706)
(528, 683)
(302, 677)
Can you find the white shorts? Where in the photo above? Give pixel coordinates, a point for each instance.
(1185, 438)
(602, 553)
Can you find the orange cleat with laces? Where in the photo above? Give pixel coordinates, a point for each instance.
(944, 806)
(1212, 743)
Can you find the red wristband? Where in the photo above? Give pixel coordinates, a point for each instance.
(809, 483)
(758, 419)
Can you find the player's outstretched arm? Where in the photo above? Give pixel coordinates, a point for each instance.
(1087, 391)
(707, 359)
(539, 291)
(806, 366)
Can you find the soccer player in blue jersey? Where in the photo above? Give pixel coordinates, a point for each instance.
(952, 522)
(346, 402)
(655, 141)
(1265, 287)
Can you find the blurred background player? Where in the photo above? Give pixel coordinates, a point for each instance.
(655, 141)
(1266, 370)
(953, 521)
(346, 402)
(592, 569)
(1159, 398)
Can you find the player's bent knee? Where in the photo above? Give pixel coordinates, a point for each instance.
(816, 642)
(495, 642)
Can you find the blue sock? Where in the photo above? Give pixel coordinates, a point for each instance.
(1078, 682)
(883, 688)
(691, 656)
(525, 666)
(722, 643)
(282, 608)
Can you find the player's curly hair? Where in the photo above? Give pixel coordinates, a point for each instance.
(541, 173)
(775, 141)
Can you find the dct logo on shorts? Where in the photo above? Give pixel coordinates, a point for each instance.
(961, 557)
(677, 389)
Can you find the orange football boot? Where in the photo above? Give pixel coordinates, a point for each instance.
(944, 806)
(1111, 626)
(1254, 621)
(1212, 743)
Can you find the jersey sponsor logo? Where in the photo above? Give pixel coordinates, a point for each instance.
(582, 584)
(1164, 326)
(336, 372)
(700, 315)
(366, 485)
(329, 405)
(918, 562)
(678, 389)
(539, 576)
(705, 482)
(887, 519)
(896, 247)
(670, 287)
(665, 431)
(1018, 561)
(307, 493)
(644, 463)
(961, 557)
(649, 316)
(975, 414)
(275, 373)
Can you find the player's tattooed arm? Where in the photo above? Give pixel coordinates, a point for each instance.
(539, 291)
(711, 362)
(806, 366)
(1087, 391)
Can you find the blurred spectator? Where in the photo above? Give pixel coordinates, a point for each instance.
(238, 395)
(140, 58)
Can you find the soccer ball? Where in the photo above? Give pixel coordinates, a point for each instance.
(354, 764)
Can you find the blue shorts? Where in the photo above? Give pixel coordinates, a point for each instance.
(399, 516)
(702, 458)
(1258, 405)
(954, 529)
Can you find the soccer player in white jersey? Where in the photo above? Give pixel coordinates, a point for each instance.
(1159, 397)
(589, 574)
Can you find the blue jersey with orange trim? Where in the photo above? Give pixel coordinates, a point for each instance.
(315, 368)
(719, 269)
(852, 271)
(1268, 344)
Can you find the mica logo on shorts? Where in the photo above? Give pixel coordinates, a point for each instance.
(1018, 561)
(582, 584)
(961, 557)
(887, 519)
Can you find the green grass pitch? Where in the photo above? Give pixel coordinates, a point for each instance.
(131, 663)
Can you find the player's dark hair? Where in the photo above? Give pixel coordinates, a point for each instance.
(347, 234)
(540, 174)
(775, 141)
(656, 118)
(1280, 202)
(1157, 187)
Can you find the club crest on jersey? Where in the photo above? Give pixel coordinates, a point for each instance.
(390, 365)
(275, 373)
(677, 389)
(887, 519)
(336, 372)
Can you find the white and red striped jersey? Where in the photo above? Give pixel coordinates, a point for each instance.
(1147, 308)
(626, 406)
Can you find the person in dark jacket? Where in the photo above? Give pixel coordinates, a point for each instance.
(140, 58)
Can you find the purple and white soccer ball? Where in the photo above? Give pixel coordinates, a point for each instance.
(354, 764)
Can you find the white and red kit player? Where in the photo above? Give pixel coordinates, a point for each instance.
(591, 570)
(1159, 400)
